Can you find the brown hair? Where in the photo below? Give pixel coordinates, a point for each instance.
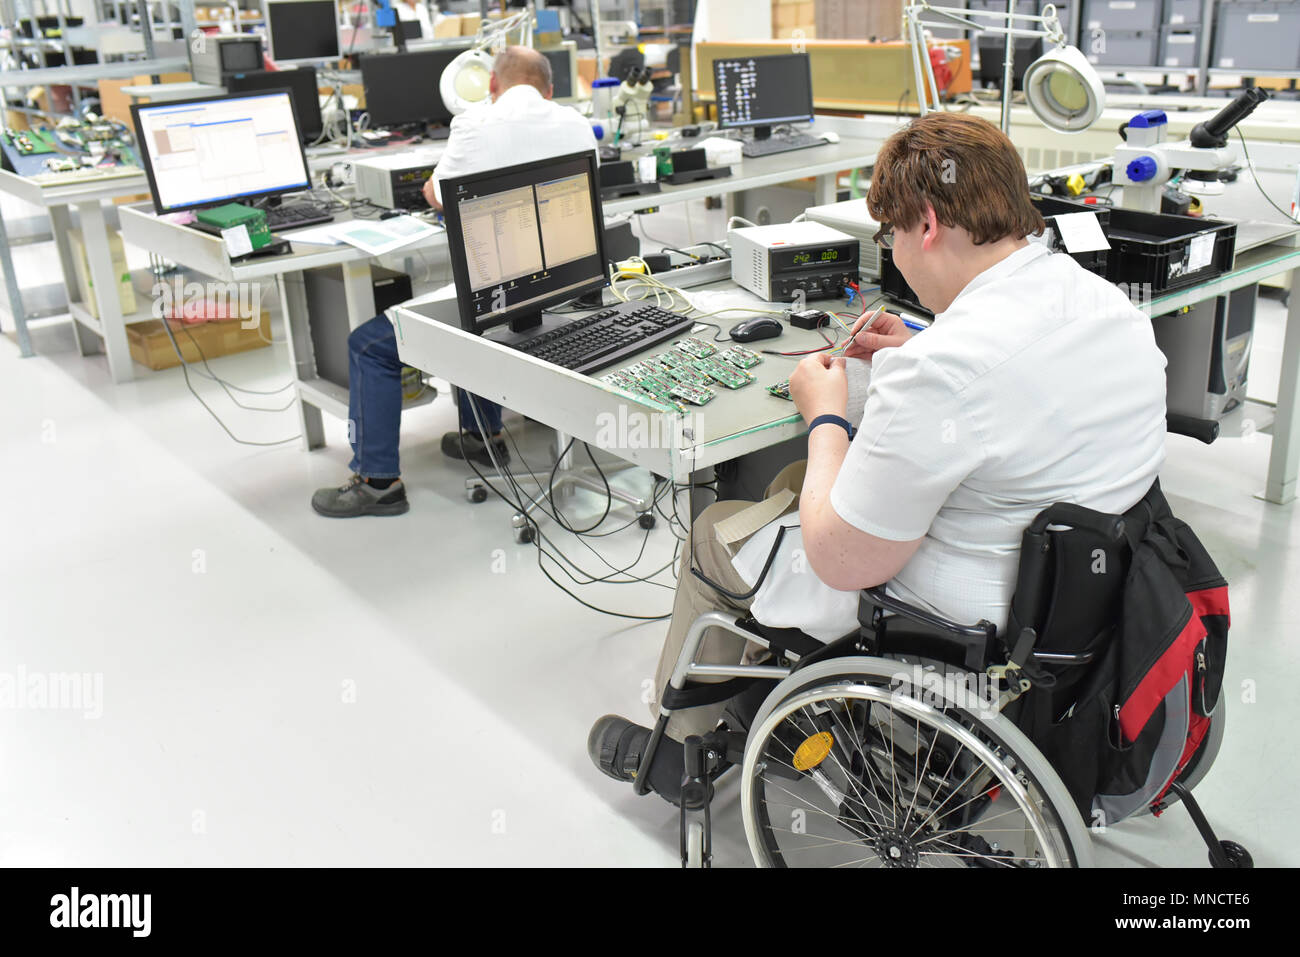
(961, 165)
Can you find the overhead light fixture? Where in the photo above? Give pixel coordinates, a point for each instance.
(1062, 88)
(465, 82)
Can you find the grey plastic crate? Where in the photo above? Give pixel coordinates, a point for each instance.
(1182, 12)
(1180, 48)
(1022, 6)
(1258, 36)
(1122, 49)
(1125, 16)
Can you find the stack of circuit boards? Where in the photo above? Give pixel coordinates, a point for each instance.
(687, 374)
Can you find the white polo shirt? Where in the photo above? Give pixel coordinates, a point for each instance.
(1041, 383)
(520, 126)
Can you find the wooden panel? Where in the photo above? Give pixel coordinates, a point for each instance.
(859, 19)
(847, 74)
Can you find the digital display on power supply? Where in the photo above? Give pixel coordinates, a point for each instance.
(812, 257)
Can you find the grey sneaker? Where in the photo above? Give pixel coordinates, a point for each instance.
(355, 498)
(475, 449)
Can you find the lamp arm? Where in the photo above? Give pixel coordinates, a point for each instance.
(1002, 23)
(490, 33)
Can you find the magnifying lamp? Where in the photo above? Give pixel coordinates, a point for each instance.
(1064, 91)
(1062, 88)
(465, 81)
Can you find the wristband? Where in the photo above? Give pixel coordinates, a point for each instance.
(837, 420)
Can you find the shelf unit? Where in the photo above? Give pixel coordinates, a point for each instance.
(157, 21)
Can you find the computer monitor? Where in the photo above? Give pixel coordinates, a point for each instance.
(301, 82)
(403, 87)
(564, 71)
(302, 31)
(220, 149)
(761, 91)
(993, 57)
(524, 238)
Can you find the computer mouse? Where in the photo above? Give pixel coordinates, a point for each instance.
(831, 137)
(753, 329)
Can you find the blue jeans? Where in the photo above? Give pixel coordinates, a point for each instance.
(375, 401)
(489, 412)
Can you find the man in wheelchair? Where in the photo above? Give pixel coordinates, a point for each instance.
(928, 455)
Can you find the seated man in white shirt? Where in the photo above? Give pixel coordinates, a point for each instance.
(520, 125)
(1038, 382)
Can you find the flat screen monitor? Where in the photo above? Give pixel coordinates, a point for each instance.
(301, 82)
(403, 87)
(762, 91)
(220, 149)
(302, 31)
(993, 57)
(564, 71)
(524, 238)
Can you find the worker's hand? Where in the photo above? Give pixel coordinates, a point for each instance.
(886, 332)
(819, 386)
(430, 196)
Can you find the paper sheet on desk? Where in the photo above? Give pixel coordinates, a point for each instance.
(380, 236)
(792, 596)
(317, 235)
(739, 304)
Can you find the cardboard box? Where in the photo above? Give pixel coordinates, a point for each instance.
(447, 27)
(469, 24)
(116, 105)
(151, 347)
(125, 291)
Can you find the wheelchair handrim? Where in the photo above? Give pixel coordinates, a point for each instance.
(855, 687)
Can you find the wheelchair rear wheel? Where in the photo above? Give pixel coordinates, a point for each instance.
(860, 762)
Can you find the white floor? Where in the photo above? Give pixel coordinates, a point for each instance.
(278, 688)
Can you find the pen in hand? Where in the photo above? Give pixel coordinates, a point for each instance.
(866, 325)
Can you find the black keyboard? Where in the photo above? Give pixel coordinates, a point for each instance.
(607, 337)
(780, 144)
(296, 216)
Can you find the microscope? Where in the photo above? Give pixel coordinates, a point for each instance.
(1146, 161)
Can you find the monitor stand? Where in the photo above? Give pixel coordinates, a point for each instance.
(525, 321)
(762, 132)
(437, 132)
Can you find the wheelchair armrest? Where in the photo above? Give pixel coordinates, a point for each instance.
(925, 634)
(877, 596)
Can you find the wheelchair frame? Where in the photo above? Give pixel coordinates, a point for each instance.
(978, 645)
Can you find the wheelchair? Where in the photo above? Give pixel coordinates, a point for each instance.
(899, 744)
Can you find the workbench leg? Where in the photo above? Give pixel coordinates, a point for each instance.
(1284, 459)
(701, 499)
(302, 359)
(99, 256)
(60, 223)
(824, 186)
(359, 291)
(16, 308)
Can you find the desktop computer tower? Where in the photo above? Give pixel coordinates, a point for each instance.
(328, 314)
(1208, 349)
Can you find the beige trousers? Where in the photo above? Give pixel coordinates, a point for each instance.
(694, 598)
